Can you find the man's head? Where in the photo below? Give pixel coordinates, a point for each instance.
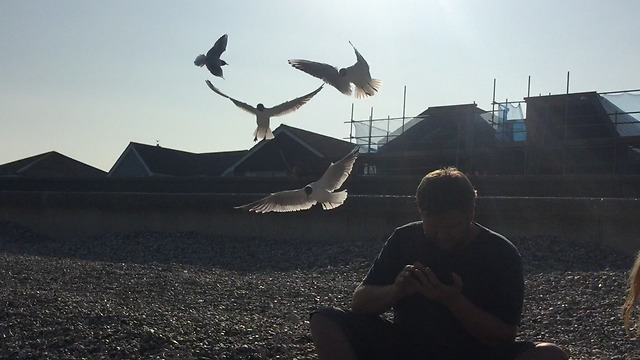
(446, 201)
(443, 190)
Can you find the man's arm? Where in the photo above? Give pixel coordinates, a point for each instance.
(373, 299)
(376, 299)
(487, 328)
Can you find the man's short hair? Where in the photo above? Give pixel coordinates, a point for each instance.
(444, 190)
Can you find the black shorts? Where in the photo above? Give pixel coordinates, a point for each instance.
(374, 337)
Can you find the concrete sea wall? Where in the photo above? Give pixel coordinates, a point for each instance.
(614, 222)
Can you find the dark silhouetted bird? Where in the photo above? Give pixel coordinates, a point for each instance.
(264, 114)
(212, 59)
(321, 191)
(358, 74)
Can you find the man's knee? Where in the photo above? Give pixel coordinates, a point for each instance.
(547, 351)
(329, 338)
(321, 324)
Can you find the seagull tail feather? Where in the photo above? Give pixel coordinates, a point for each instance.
(337, 199)
(376, 84)
(262, 133)
(369, 90)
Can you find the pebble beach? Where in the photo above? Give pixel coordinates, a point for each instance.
(193, 296)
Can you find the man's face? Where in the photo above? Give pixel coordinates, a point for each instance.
(450, 231)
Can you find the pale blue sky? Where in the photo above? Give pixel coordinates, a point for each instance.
(85, 78)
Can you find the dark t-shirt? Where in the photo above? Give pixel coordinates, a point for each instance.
(491, 271)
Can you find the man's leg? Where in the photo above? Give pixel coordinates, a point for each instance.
(341, 334)
(546, 351)
(329, 339)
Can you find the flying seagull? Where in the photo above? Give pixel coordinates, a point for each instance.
(212, 59)
(264, 114)
(321, 191)
(358, 74)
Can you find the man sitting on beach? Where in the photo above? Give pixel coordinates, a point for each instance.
(456, 289)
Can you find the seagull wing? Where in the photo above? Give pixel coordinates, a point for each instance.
(338, 172)
(359, 75)
(292, 105)
(326, 72)
(216, 90)
(218, 48)
(283, 201)
(240, 104)
(360, 61)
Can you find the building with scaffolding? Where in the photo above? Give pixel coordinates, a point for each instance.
(573, 133)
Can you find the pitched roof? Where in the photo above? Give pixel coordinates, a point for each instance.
(584, 115)
(441, 127)
(147, 160)
(50, 165)
(326, 146)
(320, 146)
(624, 123)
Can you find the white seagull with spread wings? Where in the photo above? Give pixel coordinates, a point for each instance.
(358, 74)
(321, 191)
(264, 114)
(212, 59)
